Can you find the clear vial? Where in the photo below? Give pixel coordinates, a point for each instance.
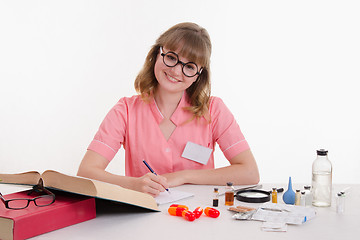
(321, 180)
(340, 203)
(229, 194)
(303, 199)
(308, 196)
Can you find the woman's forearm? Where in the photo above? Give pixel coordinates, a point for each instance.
(237, 174)
(242, 171)
(94, 169)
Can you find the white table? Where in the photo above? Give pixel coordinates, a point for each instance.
(125, 223)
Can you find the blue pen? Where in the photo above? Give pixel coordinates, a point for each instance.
(151, 170)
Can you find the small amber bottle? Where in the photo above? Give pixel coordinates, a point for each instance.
(274, 195)
(216, 197)
(229, 194)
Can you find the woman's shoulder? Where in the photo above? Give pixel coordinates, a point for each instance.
(135, 99)
(129, 102)
(215, 103)
(217, 107)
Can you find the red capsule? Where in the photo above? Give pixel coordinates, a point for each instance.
(176, 211)
(212, 212)
(188, 215)
(198, 212)
(178, 205)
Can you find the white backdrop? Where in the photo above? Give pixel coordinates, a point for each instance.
(288, 70)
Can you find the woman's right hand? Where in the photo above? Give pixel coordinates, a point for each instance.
(93, 166)
(151, 184)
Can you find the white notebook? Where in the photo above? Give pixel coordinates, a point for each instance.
(172, 196)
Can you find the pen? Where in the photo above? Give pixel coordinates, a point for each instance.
(151, 170)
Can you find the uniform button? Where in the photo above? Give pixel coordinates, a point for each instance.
(167, 150)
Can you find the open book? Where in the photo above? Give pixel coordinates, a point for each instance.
(83, 186)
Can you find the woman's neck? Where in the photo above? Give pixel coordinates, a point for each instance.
(167, 102)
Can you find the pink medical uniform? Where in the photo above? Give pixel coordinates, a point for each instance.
(134, 124)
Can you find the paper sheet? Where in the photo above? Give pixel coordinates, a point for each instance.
(284, 213)
(173, 196)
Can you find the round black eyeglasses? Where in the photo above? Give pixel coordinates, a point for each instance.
(171, 59)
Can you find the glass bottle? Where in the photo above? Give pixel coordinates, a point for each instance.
(303, 199)
(297, 197)
(308, 195)
(216, 197)
(229, 194)
(340, 203)
(321, 180)
(274, 195)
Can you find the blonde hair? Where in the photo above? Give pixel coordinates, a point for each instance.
(196, 46)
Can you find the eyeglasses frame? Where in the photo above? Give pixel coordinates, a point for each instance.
(178, 61)
(37, 188)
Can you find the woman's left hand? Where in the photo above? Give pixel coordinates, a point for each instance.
(176, 178)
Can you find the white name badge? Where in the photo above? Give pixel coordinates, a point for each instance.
(197, 153)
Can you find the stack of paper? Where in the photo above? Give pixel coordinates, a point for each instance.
(283, 213)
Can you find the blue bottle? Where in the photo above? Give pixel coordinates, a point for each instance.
(289, 195)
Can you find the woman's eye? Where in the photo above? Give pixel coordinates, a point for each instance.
(190, 67)
(171, 58)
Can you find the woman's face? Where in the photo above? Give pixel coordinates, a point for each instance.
(172, 79)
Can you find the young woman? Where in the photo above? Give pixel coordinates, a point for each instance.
(173, 124)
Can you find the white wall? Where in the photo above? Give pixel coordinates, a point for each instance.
(288, 70)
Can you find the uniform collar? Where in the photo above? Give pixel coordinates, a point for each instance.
(179, 116)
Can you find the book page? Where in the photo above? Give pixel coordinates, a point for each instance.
(54, 179)
(84, 186)
(98, 189)
(124, 195)
(28, 178)
(6, 228)
(172, 196)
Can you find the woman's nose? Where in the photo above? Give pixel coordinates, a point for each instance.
(177, 69)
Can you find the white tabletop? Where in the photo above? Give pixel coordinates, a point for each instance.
(129, 223)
